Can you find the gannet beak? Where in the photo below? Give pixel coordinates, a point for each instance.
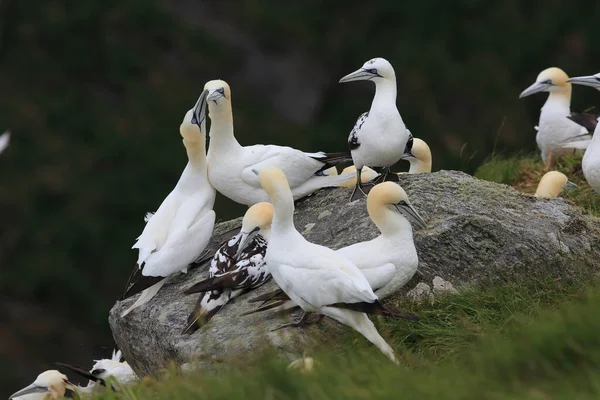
(591, 80)
(200, 109)
(215, 94)
(407, 155)
(407, 210)
(535, 88)
(29, 390)
(571, 186)
(359, 75)
(244, 240)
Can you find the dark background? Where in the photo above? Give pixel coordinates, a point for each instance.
(94, 92)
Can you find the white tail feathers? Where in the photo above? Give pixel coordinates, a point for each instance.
(146, 296)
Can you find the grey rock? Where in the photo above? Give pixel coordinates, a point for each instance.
(476, 231)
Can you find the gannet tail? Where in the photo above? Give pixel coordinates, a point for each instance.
(278, 305)
(146, 296)
(318, 182)
(277, 294)
(587, 120)
(330, 159)
(209, 284)
(81, 372)
(206, 307)
(377, 308)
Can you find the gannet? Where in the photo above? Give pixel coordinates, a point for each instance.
(379, 136)
(331, 171)
(554, 125)
(367, 175)
(102, 370)
(49, 384)
(390, 260)
(238, 266)
(180, 229)
(552, 183)
(230, 164)
(419, 156)
(315, 277)
(591, 159)
(4, 140)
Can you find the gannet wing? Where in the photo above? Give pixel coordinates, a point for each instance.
(353, 141)
(586, 120)
(379, 276)
(4, 140)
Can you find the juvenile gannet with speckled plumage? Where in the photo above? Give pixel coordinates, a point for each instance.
(556, 124)
(230, 164)
(315, 277)
(379, 136)
(103, 370)
(591, 159)
(4, 140)
(419, 157)
(237, 267)
(552, 183)
(49, 384)
(180, 229)
(390, 260)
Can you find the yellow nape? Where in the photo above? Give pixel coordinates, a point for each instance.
(190, 132)
(551, 184)
(367, 175)
(556, 75)
(383, 194)
(259, 215)
(218, 84)
(272, 178)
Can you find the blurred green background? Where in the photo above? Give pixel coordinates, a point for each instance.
(94, 92)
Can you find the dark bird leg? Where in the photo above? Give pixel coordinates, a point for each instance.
(359, 190)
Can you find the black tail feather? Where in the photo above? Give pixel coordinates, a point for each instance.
(82, 372)
(377, 308)
(214, 283)
(588, 121)
(333, 159)
(277, 294)
(263, 307)
(198, 319)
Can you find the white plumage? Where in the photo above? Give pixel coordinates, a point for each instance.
(4, 141)
(180, 229)
(49, 384)
(230, 164)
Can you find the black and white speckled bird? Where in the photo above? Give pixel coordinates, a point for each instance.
(238, 266)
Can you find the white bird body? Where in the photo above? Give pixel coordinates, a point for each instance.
(48, 385)
(4, 141)
(315, 277)
(231, 165)
(591, 161)
(177, 233)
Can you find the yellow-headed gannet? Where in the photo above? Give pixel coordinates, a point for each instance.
(4, 140)
(390, 260)
(238, 266)
(552, 183)
(102, 370)
(555, 126)
(591, 159)
(180, 229)
(419, 157)
(367, 175)
(316, 277)
(49, 384)
(230, 164)
(379, 136)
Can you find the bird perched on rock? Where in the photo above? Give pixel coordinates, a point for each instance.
(552, 183)
(49, 384)
(556, 119)
(238, 266)
(316, 277)
(379, 137)
(419, 157)
(176, 234)
(231, 164)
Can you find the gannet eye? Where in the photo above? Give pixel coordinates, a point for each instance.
(372, 71)
(221, 91)
(548, 82)
(402, 203)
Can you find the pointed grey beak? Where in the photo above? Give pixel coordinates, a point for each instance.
(216, 94)
(406, 209)
(592, 80)
(358, 75)
(29, 390)
(245, 240)
(571, 186)
(535, 88)
(407, 156)
(200, 110)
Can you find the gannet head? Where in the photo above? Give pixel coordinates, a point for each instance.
(367, 175)
(375, 69)
(391, 195)
(420, 151)
(257, 220)
(549, 80)
(52, 382)
(552, 183)
(191, 127)
(591, 80)
(217, 92)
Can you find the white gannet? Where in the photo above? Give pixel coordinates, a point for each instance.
(4, 140)
(379, 136)
(315, 277)
(552, 183)
(49, 384)
(591, 159)
(555, 126)
(367, 175)
(390, 260)
(176, 234)
(102, 370)
(238, 266)
(419, 156)
(230, 164)
(331, 171)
